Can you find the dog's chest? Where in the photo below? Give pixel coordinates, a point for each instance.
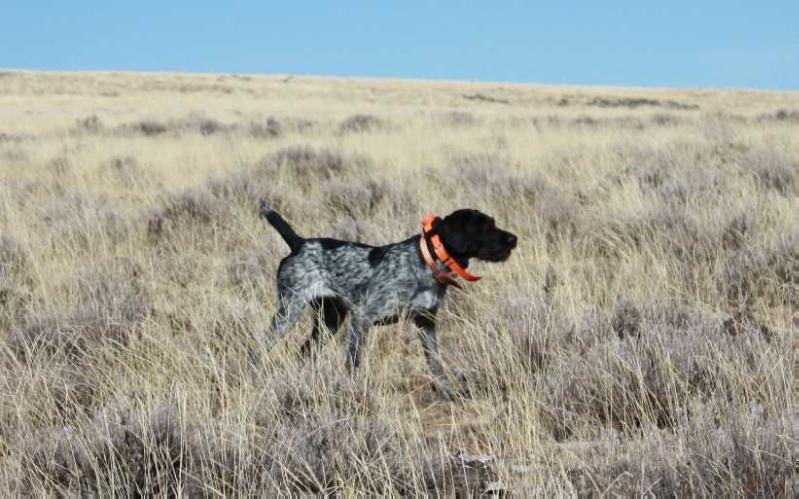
(426, 300)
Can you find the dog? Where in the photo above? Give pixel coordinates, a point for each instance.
(376, 285)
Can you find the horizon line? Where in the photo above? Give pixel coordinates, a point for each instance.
(412, 79)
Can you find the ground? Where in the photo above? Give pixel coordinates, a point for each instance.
(640, 340)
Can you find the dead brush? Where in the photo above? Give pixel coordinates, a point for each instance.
(676, 174)
(203, 125)
(90, 124)
(148, 128)
(77, 220)
(123, 170)
(194, 209)
(458, 119)
(757, 273)
(358, 200)
(119, 451)
(490, 179)
(652, 374)
(367, 202)
(330, 440)
(362, 123)
(753, 461)
(113, 289)
(67, 337)
(308, 164)
(322, 435)
(16, 281)
(784, 115)
(773, 171)
(655, 358)
(265, 129)
(349, 228)
(111, 302)
(244, 188)
(486, 175)
(669, 229)
(245, 271)
(738, 232)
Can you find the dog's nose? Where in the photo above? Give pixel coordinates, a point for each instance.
(511, 240)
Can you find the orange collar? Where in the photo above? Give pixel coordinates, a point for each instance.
(452, 266)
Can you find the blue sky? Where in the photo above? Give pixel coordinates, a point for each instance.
(663, 44)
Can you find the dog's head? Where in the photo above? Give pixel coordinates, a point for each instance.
(473, 234)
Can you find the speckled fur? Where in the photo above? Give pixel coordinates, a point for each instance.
(374, 284)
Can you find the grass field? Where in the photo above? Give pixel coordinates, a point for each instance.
(642, 339)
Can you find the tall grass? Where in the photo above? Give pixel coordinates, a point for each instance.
(641, 339)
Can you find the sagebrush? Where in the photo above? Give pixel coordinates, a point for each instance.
(641, 340)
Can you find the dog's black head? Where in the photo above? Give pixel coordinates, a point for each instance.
(473, 234)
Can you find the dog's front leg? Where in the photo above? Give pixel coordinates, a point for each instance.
(356, 337)
(426, 324)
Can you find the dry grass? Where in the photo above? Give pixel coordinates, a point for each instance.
(642, 339)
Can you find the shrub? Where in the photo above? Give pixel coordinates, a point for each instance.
(355, 199)
(125, 170)
(671, 229)
(120, 452)
(148, 128)
(113, 289)
(91, 124)
(74, 219)
(247, 271)
(490, 176)
(308, 164)
(737, 232)
(664, 359)
(16, 281)
(785, 115)
(665, 119)
(193, 208)
(459, 119)
(244, 189)
(360, 123)
(269, 129)
(349, 228)
(635, 102)
(768, 274)
(209, 126)
(14, 260)
(740, 456)
(111, 303)
(69, 336)
(773, 171)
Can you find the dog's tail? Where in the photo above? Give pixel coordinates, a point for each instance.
(281, 226)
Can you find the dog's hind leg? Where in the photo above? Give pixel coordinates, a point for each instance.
(330, 314)
(289, 309)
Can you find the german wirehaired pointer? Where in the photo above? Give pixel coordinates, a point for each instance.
(376, 285)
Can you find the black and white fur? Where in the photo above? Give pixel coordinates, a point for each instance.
(375, 285)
